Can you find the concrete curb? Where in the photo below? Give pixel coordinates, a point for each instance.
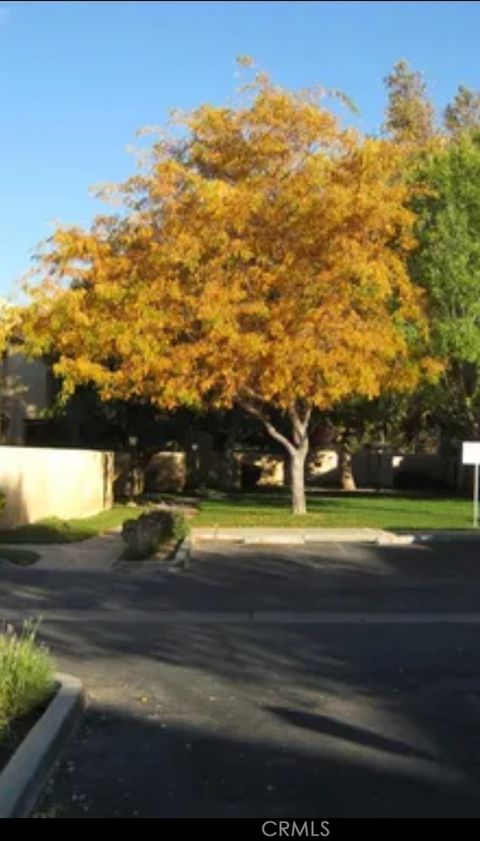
(304, 537)
(284, 536)
(23, 778)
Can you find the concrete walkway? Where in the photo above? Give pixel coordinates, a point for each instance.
(96, 553)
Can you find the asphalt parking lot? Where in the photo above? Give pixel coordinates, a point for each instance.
(320, 681)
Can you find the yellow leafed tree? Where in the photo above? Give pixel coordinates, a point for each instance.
(9, 322)
(259, 260)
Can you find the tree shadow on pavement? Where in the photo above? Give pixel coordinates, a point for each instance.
(123, 765)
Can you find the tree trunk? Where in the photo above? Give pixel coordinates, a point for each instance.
(296, 448)
(228, 456)
(297, 479)
(347, 480)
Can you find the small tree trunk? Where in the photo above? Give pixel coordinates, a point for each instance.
(347, 479)
(297, 479)
(228, 456)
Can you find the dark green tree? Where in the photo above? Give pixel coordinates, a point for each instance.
(446, 264)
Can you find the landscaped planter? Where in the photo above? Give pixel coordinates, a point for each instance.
(155, 534)
(171, 554)
(23, 778)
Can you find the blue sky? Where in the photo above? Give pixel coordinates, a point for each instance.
(78, 78)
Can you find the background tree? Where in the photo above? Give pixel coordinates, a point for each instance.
(381, 422)
(410, 116)
(10, 387)
(9, 324)
(447, 264)
(409, 121)
(260, 261)
(463, 114)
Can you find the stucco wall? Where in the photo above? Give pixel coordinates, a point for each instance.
(322, 466)
(271, 468)
(370, 468)
(45, 482)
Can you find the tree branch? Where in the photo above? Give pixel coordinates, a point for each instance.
(271, 429)
(300, 425)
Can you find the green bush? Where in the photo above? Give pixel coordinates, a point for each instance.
(2, 500)
(180, 528)
(26, 674)
(147, 534)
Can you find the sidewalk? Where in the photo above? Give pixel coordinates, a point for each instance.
(96, 553)
(299, 536)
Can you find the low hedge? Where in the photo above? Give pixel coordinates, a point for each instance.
(26, 674)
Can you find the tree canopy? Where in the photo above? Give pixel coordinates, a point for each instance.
(259, 260)
(410, 115)
(463, 114)
(447, 264)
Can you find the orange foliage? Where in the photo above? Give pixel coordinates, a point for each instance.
(261, 257)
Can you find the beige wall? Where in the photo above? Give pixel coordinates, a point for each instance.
(272, 467)
(322, 464)
(46, 482)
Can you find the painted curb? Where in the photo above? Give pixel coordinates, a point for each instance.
(182, 555)
(25, 775)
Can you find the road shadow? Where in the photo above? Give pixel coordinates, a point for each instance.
(126, 765)
(238, 578)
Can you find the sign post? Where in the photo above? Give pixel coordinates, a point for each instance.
(471, 455)
(475, 497)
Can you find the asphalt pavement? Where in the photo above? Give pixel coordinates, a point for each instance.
(289, 681)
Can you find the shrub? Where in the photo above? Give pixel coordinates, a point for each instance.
(180, 526)
(145, 535)
(26, 674)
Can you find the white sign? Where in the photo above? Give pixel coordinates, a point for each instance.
(471, 455)
(471, 452)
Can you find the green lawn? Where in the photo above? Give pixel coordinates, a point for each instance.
(336, 511)
(53, 530)
(270, 509)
